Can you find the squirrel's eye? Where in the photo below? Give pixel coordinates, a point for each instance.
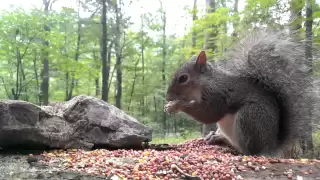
(183, 78)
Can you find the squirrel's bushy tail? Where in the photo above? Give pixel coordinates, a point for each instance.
(278, 62)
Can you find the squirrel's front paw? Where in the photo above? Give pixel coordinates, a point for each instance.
(215, 139)
(171, 107)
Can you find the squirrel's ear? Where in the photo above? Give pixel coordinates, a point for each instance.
(201, 62)
(202, 58)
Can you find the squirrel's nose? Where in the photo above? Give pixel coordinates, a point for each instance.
(169, 97)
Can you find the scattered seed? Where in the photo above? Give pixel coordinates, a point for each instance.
(193, 157)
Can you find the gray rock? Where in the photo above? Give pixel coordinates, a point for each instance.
(83, 122)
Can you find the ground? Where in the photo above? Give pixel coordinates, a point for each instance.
(194, 158)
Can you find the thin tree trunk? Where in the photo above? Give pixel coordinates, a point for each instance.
(67, 73)
(295, 15)
(16, 91)
(164, 58)
(142, 62)
(235, 23)
(67, 87)
(308, 51)
(309, 23)
(45, 71)
(133, 83)
(97, 86)
(109, 80)
(209, 39)
(38, 101)
(111, 77)
(210, 45)
(225, 30)
(96, 80)
(194, 34)
(89, 83)
(105, 74)
(118, 56)
(155, 109)
(295, 25)
(23, 87)
(77, 53)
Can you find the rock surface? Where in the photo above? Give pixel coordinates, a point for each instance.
(84, 122)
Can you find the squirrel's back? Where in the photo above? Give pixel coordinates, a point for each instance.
(277, 62)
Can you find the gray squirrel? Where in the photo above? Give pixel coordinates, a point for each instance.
(261, 97)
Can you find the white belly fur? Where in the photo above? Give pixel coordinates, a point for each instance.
(227, 127)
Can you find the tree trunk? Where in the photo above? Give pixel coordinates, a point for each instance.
(97, 86)
(164, 58)
(210, 45)
(295, 25)
(133, 83)
(209, 39)
(96, 80)
(67, 73)
(22, 80)
(105, 74)
(109, 80)
(16, 91)
(118, 56)
(235, 23)
(142, 62)
(36, 76)
(76, 57)
(295, 15)
(45, 71)
(67, 87)
(155, 109)
(194, 34)
(225, 30)
(308, 51)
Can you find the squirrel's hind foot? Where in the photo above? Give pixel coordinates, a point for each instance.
(214, 138)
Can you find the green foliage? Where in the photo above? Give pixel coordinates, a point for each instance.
(175, 139)
(316, 142)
